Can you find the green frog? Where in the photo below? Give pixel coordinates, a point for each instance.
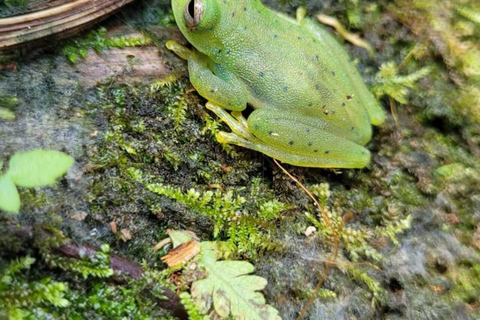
(284, 86)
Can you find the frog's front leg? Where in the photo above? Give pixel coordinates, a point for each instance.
(222, 88)
(295, 140)
(212, 81)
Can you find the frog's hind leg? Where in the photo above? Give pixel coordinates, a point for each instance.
(292, 139)
(298, 140)
(340, 58)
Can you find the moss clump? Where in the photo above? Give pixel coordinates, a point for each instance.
(98, 41)
(24, 298)
(466, 279)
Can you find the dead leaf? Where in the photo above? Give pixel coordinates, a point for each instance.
(451, 219)
(379, 243)
(113, 226)
(182, 253)
(125, 235)
(353, 38)
(159, 215)
(348, 217)
(438, 288)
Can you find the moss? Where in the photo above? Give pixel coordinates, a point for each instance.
(11, 7)
(98, 41)
(24, 298)
(467, 283)
(193, 311)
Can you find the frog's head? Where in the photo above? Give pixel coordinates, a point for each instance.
(196, 16)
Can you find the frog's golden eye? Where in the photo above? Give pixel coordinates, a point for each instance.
(193, 13)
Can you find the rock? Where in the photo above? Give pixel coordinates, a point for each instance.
(79, 216)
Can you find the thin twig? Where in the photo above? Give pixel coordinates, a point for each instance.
(393, 110)
(336, 263)
(334, 255)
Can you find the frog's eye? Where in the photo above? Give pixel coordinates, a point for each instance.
(193, 13)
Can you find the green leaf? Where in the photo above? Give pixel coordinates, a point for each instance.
(449, 170)
(230, 287)
(178, 237)
(9, 199)
(38, 167)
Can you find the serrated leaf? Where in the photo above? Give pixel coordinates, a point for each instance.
(38, 167)
(230, 288)
(9, 198)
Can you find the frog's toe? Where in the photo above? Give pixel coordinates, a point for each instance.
(301, 14)
(237, 124)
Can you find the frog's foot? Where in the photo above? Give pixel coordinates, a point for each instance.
(300, 14)
(181, 51)
(236, 121)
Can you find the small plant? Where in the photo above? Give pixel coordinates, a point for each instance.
(469, 13)
(14, 3)
(395, 86)
(6, 114)
(193, 310)
(168, 81)
(357, 242)
(7, 104)
(248, 231)
(30, 169)
(96, 266)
